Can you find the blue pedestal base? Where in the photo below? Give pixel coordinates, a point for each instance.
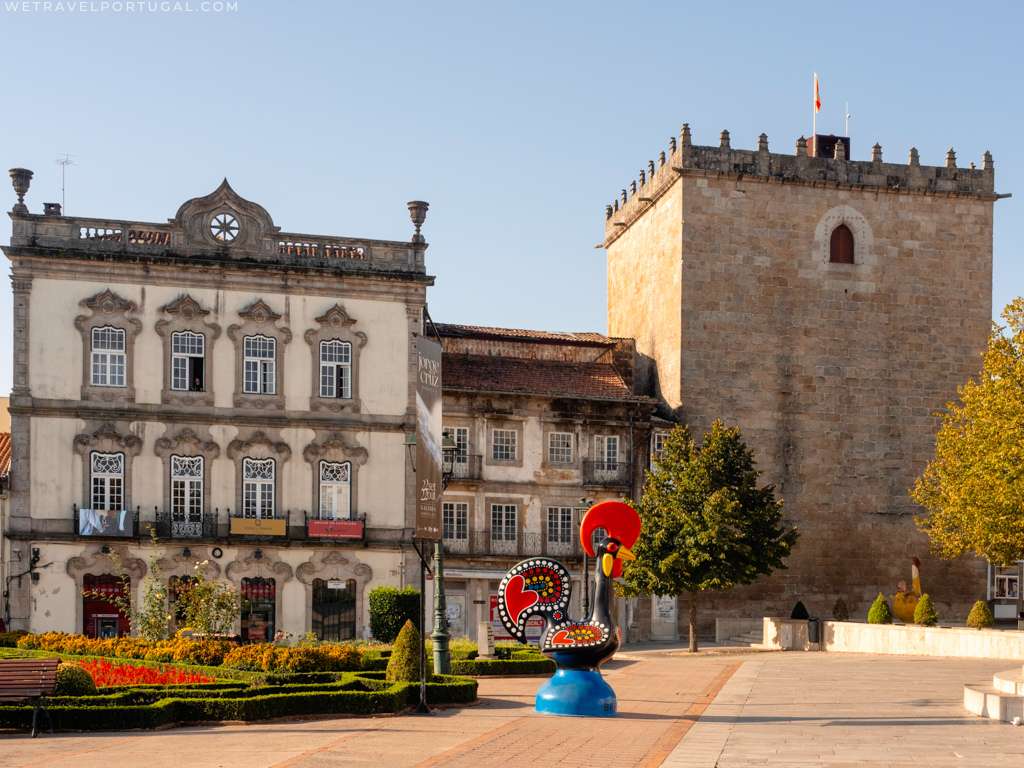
(579, 692)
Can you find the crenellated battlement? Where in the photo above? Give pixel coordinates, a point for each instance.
(682, 158)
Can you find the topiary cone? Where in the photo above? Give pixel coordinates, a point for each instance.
(404, 664)
(924, 613)
(980, 616)
(879, 612)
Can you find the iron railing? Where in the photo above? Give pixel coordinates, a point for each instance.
(170, 527)
(606, 473)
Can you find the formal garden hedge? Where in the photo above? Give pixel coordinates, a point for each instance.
(274, 696)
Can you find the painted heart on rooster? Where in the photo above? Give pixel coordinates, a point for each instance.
(561, 637)
(518, 599)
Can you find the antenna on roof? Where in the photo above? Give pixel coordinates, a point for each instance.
(63, 161)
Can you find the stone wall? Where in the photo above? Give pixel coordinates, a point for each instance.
(833, 371)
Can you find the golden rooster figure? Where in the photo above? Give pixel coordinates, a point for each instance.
(905, 601)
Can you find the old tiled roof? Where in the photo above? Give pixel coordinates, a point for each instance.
(552, 378)
(451, 330)
(5, 453)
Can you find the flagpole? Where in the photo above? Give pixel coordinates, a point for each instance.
(814, 114)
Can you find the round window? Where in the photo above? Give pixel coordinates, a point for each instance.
(224, 227)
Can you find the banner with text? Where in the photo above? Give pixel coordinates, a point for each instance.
(428, 439)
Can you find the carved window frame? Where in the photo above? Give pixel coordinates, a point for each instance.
(259, 445)
(258, 319)
(185, 314)
(335, 448)
(107, 438)
(335, 325)
(108, 309)
(187, 442)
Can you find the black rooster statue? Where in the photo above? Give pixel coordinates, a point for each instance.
(541, 587)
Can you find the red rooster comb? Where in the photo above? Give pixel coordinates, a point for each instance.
(619, 519)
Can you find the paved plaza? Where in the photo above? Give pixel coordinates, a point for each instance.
(715, 709)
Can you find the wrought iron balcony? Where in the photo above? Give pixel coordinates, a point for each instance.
(168, 526)
(616, 473)
(467, 469)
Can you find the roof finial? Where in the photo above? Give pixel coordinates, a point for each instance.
(986, 161)
(915, 158)
(21, 180)
(950, 158)
(684, 137)
(723, 140)
(661, 158)
(876, 153)
(762, 142)
(418, 214)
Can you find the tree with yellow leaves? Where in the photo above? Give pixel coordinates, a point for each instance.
(973, 490)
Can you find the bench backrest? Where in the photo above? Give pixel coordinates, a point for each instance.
(22, 679)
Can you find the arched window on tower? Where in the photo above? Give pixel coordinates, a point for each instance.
(840, 249)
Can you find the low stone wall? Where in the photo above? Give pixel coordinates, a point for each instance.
(726, 628)
(906, 640)
(787, 635)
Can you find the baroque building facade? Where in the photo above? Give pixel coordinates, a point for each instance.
(210, 390)
(829, 308)
(543, 425)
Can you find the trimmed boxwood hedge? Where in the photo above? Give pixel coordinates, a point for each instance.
(155, 706)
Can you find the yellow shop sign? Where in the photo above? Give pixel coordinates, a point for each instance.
(252, 526)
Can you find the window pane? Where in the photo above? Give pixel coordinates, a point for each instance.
(179, 373)
(560, 448)
(503, 445)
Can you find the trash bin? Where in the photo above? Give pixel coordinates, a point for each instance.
(814, 630)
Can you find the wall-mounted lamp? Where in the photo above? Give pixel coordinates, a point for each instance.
(105, 549)
(186, 552)
(258, 554)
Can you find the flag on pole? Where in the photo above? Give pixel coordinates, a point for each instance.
(817, 94)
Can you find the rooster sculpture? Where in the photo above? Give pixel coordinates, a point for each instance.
(540, 586)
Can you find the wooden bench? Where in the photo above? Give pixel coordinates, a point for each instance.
(28, 680)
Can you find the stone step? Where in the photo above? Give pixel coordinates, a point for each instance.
(748, 638)
(1011, 681)
(986, 701)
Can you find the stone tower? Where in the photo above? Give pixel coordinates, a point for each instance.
(828, 307)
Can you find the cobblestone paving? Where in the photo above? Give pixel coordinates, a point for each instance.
(724, 710)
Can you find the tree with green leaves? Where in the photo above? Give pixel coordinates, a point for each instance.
(973, 490)
(209, 608)
(707, 524)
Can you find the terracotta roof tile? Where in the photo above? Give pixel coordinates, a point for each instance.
(5, 453)
(553, 378)
(451, 330)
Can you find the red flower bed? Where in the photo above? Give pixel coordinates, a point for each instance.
(106, 674)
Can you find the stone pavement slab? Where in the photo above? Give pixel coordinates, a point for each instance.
(659, 698)
(817, 709)
(712, 710)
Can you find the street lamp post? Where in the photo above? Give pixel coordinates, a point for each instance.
(585, 504)
(439, 637)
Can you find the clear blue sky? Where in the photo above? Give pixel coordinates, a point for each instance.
(518, 121)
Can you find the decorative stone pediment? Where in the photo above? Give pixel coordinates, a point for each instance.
(180, 565)
(107, 438)
(185, 307)
(259, 440)
(116, 562)
(267, 566)
(109, 303)
(335, 446)
(226, 220)
(259, 312)
(186, 441)
(332, 564)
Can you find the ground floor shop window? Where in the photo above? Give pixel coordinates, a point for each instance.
(101, 616)
(334, 609)
(258, 610)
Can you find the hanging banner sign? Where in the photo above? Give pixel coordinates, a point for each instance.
(428, 440)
